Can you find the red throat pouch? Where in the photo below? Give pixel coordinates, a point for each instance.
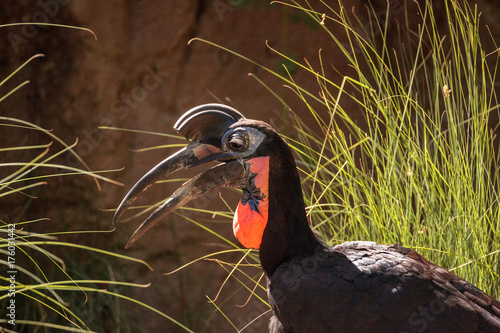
(250, 218)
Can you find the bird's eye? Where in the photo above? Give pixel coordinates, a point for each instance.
(238, 141)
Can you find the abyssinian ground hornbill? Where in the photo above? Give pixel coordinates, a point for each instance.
(352, 287)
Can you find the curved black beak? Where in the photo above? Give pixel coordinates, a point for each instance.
(204, 125)
(194, 154)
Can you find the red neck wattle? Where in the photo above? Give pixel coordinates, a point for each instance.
(251, 216)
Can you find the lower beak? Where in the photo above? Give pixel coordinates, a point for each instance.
(195, 153)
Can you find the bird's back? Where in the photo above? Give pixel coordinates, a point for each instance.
(366, 287)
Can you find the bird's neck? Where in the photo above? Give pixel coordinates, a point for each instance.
(287, 233)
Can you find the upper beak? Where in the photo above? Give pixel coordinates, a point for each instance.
(195, 153)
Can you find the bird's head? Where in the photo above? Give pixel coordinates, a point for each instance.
(244, 146)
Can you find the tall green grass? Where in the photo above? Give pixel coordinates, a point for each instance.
(422, 170)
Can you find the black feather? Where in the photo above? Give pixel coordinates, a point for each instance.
(355, 286)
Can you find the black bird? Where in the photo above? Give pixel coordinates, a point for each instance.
(352, 287)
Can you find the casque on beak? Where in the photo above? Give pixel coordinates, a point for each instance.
(204, 125)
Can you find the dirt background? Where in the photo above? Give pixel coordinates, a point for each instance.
(141, 73)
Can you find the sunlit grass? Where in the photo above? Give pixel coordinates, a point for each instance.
(423, 169)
